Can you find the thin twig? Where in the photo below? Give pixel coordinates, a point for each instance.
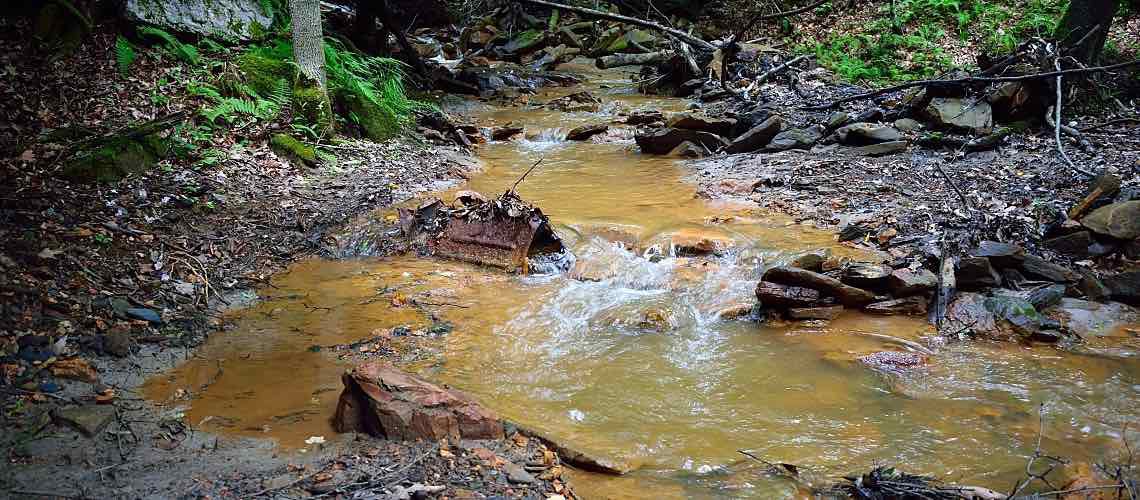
(528, 171)
(1057, 127)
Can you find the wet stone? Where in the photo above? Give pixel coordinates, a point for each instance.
(904, 282)
(516, 474)
(908, 306)
(1073, 244)
(791, 276)
(757, 137)
(585, 132)
(976, 273)
(663, 141)
(825, 312)
(776, 295)
(703, 123)
(1037, 267)
(89, 420)
(1000, 253)
(811, 260)
(1118, 220)
(144, 314)
(1124, 287)
(866, 275)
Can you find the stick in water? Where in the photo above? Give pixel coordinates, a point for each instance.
(528, 171)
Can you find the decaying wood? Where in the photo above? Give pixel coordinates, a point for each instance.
(675, 33)
(617, 60)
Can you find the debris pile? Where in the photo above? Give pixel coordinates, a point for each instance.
(504, 232)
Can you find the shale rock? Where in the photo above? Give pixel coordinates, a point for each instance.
(381, 400)
(585, 132)
(796, 277)
(1001, 254)
(905, 282)
(797, 138)
(823, 312)
(1124, 287)
(757, 137)
(880, 149)
(1037, 267)
(907, 306)
(1092, 319)
(1119, 220)
(663, 141)
(976, 273)
(1072, 244)
(866, 275)
(702, 123)
(783, 296)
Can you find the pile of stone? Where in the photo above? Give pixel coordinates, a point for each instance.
(816, 285)
(1106, 221)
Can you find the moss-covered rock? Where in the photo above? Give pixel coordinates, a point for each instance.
(262, 73)
(295, 151)
(115, 159)
(375, 122)
(311, 104)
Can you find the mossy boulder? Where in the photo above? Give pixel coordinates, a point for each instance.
(293, 150)
(263, 73)
(375, 122)
(311, 104)
(115, 159)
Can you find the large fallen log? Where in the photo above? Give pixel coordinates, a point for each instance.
(617, 60)
(675, 33)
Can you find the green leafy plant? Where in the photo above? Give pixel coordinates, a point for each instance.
(124, 55)
(183, 51)
(373, 87)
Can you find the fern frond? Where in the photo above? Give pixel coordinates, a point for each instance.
(186, 52)
(124, 55)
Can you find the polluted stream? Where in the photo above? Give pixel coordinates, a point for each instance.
(637, 355)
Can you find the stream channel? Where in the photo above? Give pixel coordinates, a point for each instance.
(639, 365)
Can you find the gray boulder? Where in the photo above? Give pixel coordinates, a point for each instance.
(233, 20)
(797, 138)
(663, 141)
(960, 114)
(862, 134)
(757, 137)
(1119, 220)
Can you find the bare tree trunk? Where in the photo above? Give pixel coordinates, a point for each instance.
(1082, 17)
(310, 91)
(308, 42)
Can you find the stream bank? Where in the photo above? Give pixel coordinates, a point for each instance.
(645, 317)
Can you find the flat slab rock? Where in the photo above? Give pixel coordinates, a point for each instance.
(826, 285)
(381, 400)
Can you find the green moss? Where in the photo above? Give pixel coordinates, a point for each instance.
(375, 122)
(262, 72)
(296, 151)
(311, 104)
(116, 159)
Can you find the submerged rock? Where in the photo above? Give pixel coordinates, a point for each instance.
(585, 132)
(381, 400)
(908, 306)
(823, 312)
(1093, 319)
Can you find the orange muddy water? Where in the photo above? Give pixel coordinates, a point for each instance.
(636, 362)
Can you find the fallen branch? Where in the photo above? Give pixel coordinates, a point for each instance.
(675, 33)
(1057, 128)
(618, 60)
(780, 69)
(970, 79)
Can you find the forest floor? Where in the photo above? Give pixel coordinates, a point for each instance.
(129, 277)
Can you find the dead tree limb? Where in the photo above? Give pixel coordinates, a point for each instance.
(729, 50)
(970, 79)
(617, 60)
(675, 33)
(389, 21)
(1057, 128)
(781, 68)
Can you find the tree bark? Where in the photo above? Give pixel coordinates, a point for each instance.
(310, 91)
(1081, 17)
(308, 42)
